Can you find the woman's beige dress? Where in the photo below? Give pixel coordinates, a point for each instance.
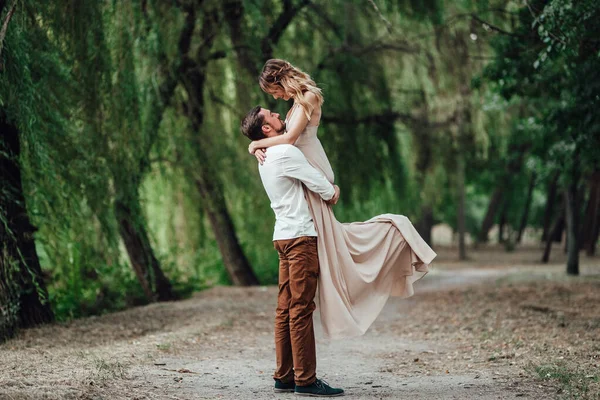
(361, 263)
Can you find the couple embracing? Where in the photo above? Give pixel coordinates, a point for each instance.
(356, 266)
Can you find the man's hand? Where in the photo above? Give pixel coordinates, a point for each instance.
(335, 197)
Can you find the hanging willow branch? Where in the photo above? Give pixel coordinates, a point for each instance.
(390, 116)
(387, 23)
(493, 27)
(5, 27)
(279, 26)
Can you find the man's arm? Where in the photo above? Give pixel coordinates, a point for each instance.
(296, 166)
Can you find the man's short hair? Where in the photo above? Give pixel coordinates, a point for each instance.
(252, 124)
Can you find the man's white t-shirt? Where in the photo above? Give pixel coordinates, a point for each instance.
(284, 171)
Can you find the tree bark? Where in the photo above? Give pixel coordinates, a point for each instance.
(502, 222)
(572, 217)
(591, 248)
(513, 167)
(234, 259)
(210, 190)
(557, 234)
(423, 143)
(572, 201)
(141, 255)
(492, 209)
(525, 216)
(590, 229)
(207, 179)
(24, 298)
(556, 230)
(460, 223)
(234, 10)
(278, 27)
(4, 25)
(550, 200)
(425, 224)
(127, 205)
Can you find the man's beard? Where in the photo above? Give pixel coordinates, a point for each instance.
(282, 129)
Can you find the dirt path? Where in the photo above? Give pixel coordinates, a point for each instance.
(379, 365)
(446, 342)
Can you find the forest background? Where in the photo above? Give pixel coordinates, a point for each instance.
(125, 178)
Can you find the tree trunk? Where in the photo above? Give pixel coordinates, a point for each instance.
(557, 234)
(128, 209)
(234, 259)
(502, 222)
(556, 229)
(591, 248)
(525, 216)
(135, 237)
(207, 179)
(590, 229)
(512, 168)
(234, 10)
(423, 163)
(488, 220)
(210, 190)
(23, 295)
(550, 200)
(572, 217)
(425, 224)
(460, 223)
(127, 205)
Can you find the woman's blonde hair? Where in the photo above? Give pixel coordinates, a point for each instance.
(281, 74)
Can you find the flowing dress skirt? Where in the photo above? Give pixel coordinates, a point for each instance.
(362, 264)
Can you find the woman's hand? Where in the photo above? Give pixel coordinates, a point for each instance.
(252, 147)
(260, 155)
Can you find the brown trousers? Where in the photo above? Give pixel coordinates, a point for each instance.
(294, 335)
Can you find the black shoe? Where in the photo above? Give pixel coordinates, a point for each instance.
(284, 387)
(318, 388)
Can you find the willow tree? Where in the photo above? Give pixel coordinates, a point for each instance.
(432, 54)
(108, 43)
(196, 51)
(23, 295)
(379, 84)
(339, 45)
(23, 115)
(550, 60)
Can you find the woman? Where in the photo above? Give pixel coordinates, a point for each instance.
(361, 263)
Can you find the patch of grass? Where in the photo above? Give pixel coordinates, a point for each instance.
(105, 370)
(163, 346)
(574, 383)
(227, 323)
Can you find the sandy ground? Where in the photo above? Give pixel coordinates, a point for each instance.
(500, 326)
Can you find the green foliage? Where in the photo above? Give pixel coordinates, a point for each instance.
(574, 382)
(404, 91)
(547, 68)
(551, 64)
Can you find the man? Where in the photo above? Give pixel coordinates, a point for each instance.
(283, 173)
